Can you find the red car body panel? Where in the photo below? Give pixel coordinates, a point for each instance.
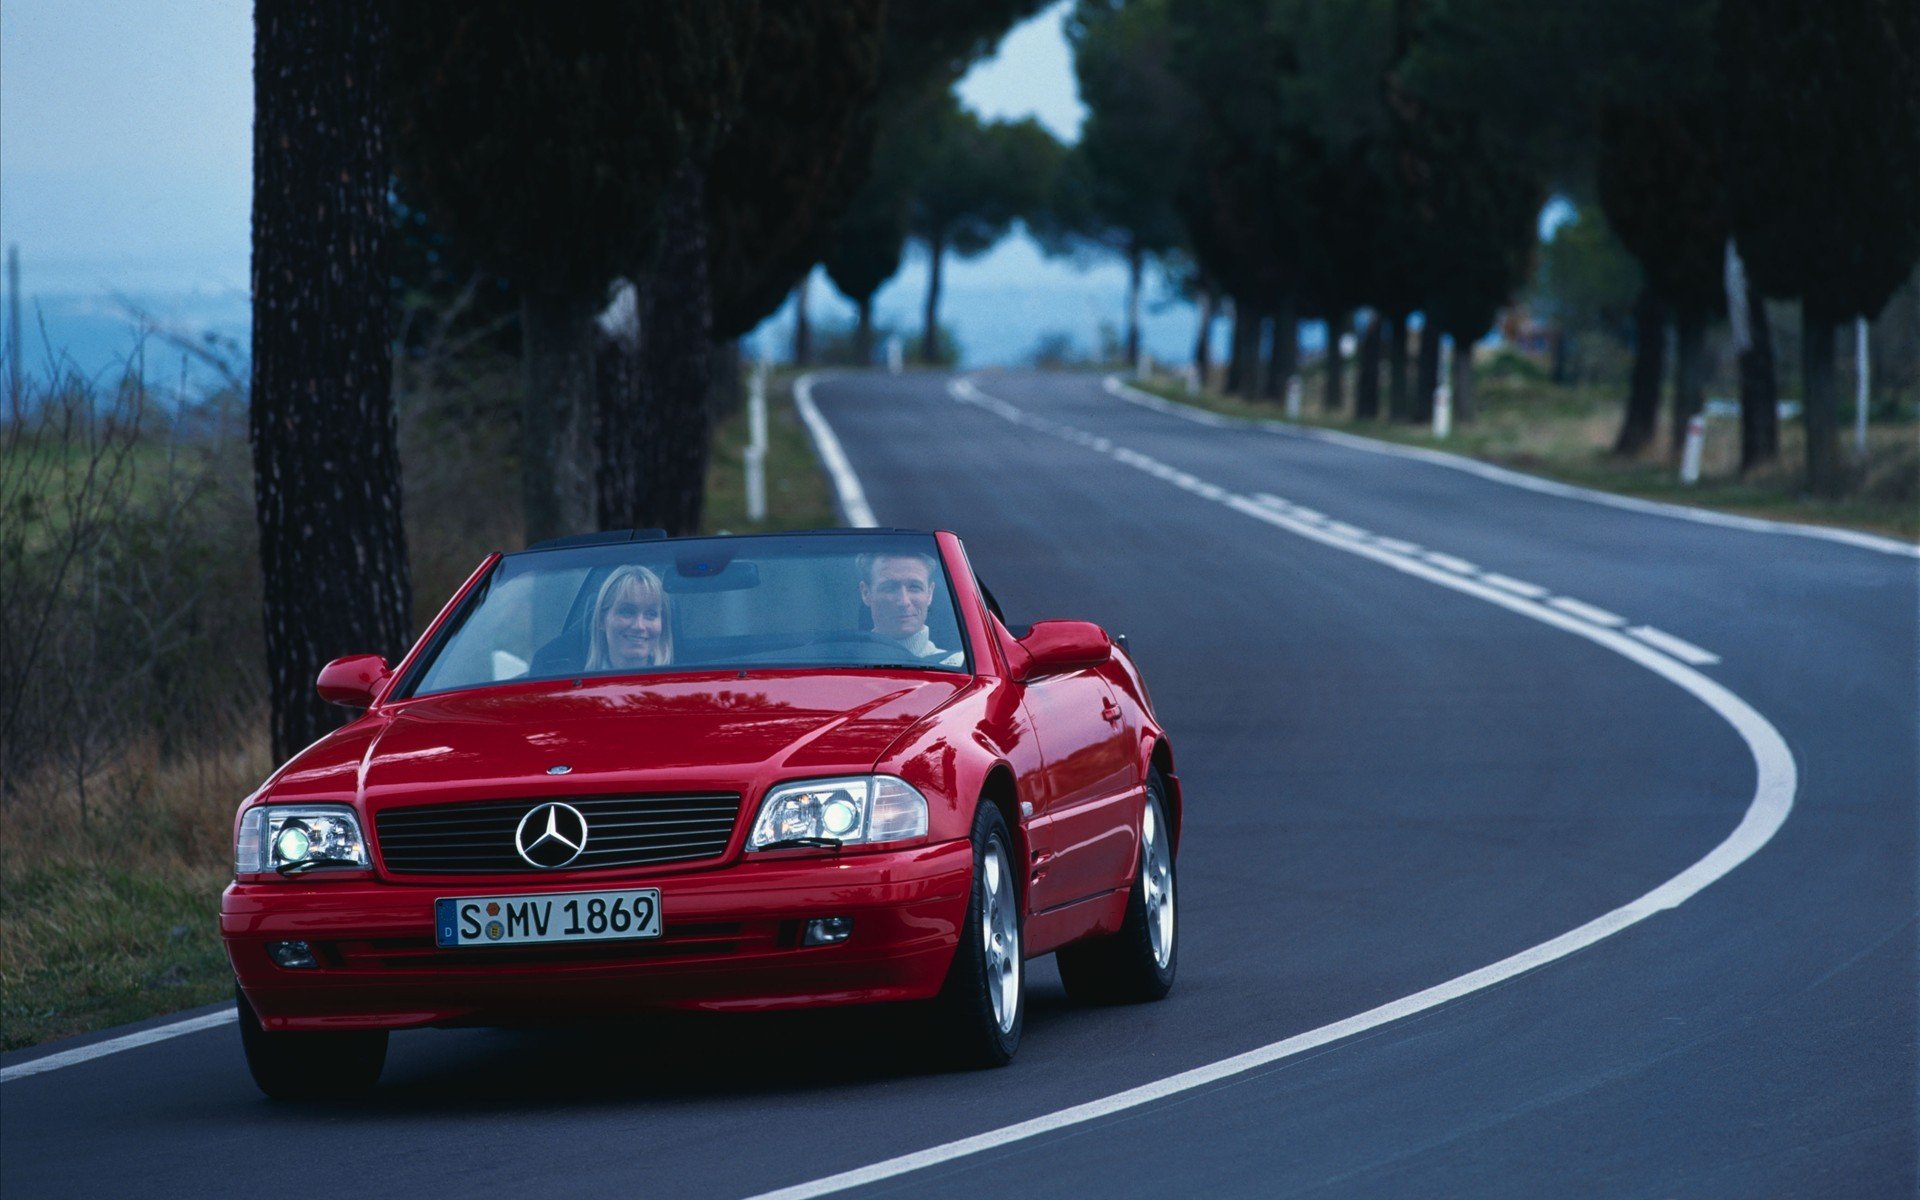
(1065, 754)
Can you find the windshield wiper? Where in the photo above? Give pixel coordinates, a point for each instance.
(796, 843)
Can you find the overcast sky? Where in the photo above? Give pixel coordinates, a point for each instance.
(126, 135)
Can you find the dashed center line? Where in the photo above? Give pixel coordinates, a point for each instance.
(1685, 651)
(1448, 562)
(1587, 612)
(1518, 587)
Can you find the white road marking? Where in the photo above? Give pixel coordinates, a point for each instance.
(1587, 612)
(1519, 479)
(1776, 781)
(1518, 587)
(1683, 650)
(1397, 545)
(146, 1037)
(849, 496)
(1303, 513)
(1346, 530)
(1447, 562)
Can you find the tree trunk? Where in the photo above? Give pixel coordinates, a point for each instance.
(1399, 403)
(1561, 370)
(333, 549)
(1759, 392)
(1689, 376)
(1283, 350)
(1136, 266)
(802, 327)
(556, 450)
(1462, 373)
(930, 334)
(676, 319)
(1649, 363)
(1243, 372)
(727, 394)
(1333, 397)
(1203, 339)
(1366, 388)
(1426, 374)
(1821, 411)
(863, 333)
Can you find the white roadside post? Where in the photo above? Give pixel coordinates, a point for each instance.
(756, 452)
(896, 355)
(1143, 369)
(1860, 388)
(1293, 397)
(1443, 393)
(1690, 453)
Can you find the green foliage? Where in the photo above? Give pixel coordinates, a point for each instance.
(793, 157)
(979, 178)
(542, 137)
(1116, 188)
(1823, 113)
(1586, 278)
(1661, 177)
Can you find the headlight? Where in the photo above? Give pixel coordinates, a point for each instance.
(294, 839)
(834, 812)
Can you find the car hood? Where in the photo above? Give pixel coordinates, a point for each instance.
(710, 733)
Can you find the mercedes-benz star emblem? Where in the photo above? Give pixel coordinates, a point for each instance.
(551, 835)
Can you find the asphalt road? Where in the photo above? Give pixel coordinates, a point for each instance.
(1391, 784)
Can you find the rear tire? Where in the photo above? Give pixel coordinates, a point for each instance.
(1138, 963)
(310, 1066)
(982, 1007)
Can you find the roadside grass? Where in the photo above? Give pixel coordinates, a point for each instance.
(798, 496)
(111, 918)
(1567, 433)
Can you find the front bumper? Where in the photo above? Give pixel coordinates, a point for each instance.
(730, 940)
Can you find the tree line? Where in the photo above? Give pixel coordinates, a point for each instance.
(1304, 158)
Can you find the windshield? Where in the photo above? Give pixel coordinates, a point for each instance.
(818, 600)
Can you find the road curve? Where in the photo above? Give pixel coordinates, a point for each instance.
(1392, 784)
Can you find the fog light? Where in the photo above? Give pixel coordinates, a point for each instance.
(824, 931)
(293, 955)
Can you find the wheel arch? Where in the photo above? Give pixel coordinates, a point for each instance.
(1160, 758)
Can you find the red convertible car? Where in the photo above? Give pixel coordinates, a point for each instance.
(622, 771)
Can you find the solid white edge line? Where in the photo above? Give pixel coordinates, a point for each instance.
(1680, 648)
(1520, 479)
(130, 1041)
(1775, 783)
(848, 496)
(1587, 612)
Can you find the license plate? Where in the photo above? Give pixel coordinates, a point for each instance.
(554, 917)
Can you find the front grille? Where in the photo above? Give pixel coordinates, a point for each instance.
(622, 831)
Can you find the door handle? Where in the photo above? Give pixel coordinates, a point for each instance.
(1111, 712)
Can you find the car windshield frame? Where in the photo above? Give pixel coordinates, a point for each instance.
(604, 554)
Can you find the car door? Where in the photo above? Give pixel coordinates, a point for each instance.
(1084, 831)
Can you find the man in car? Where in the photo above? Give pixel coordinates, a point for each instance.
(896, 588)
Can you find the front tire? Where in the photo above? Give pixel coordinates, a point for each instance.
(982, 1006)
(310, 1066)
(1137, 963)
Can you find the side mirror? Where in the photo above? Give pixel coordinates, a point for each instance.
(353, 680)
(1056, 647)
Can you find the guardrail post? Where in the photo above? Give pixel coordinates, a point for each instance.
(1690, 453)
(756, 452)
